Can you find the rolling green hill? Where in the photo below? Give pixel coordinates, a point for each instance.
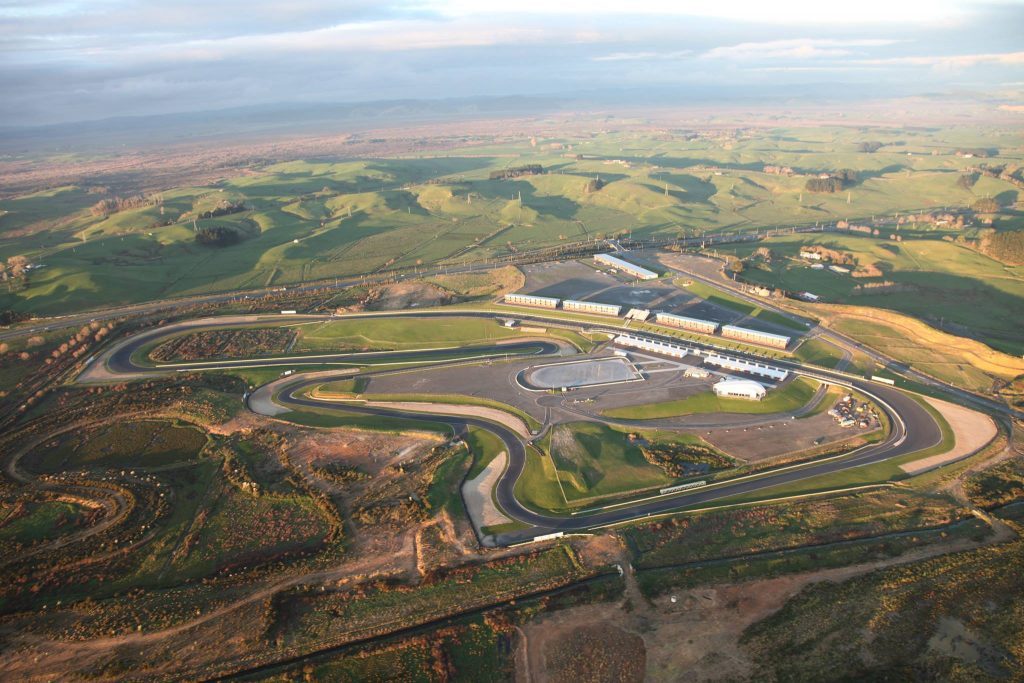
(305, 220)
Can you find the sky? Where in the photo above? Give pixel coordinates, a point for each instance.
(73, 60)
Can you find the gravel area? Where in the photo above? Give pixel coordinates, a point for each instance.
(972, 431)
(477, 494)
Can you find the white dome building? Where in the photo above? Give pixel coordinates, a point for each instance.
(739, 388)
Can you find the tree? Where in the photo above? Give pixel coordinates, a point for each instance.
(869, 147)
(824, 185)
(1007, 247)
(217, 236)
(985, 205)
(17, 266)
(967, 180)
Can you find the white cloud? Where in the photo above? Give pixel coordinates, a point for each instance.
(637, 56)
(378, 36)
(799, 48)
(773, 12)
(951, 62)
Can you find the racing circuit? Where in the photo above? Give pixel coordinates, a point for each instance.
(912, 427)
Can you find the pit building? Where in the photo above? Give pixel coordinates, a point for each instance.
(777, 341)
(591, 307)
(684, 323)
(625, 266)
(530, 300)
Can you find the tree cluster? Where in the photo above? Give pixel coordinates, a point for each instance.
(824, 185)
(14, 272)
(869, 147)
(217, 236)
(985, 205)
(967, 180)
(834, 182)
(9, 317)
(1007, 247)
(516, 171)
(105, 207)
(223, 208)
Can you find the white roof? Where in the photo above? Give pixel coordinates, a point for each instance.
(735, 384)
(625, 265)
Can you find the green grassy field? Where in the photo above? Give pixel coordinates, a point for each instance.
(596, 460)
(817, 352)
(538, 487)
(305, 220)
(485, 447)
(584, 461)
(397, 333)
(793, 395)
(945, 284)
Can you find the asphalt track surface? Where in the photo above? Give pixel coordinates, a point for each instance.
(912, 427)
(120, 361)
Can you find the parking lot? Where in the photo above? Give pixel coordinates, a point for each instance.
(580, 281)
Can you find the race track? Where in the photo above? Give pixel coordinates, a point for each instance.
(912, 427)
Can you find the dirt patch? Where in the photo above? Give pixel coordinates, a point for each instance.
(213, 344)
(596, 653)
(953, 639)
(488, 283)
(694, 634)
(972, 431)
(405, 295)
(368, 451)
(477, 494)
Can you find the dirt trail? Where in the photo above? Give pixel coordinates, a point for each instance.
(401, 562)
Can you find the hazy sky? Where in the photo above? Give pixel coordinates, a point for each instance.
(84, 59)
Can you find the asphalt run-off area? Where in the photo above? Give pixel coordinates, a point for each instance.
(582, 373)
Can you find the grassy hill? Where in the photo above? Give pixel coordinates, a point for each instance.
(946, 284)
(306, 220)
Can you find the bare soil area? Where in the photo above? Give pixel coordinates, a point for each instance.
(692, 634)
(370, 451)
(406, 295)
(595, 653)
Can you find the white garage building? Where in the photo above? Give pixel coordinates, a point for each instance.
(739, 388)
